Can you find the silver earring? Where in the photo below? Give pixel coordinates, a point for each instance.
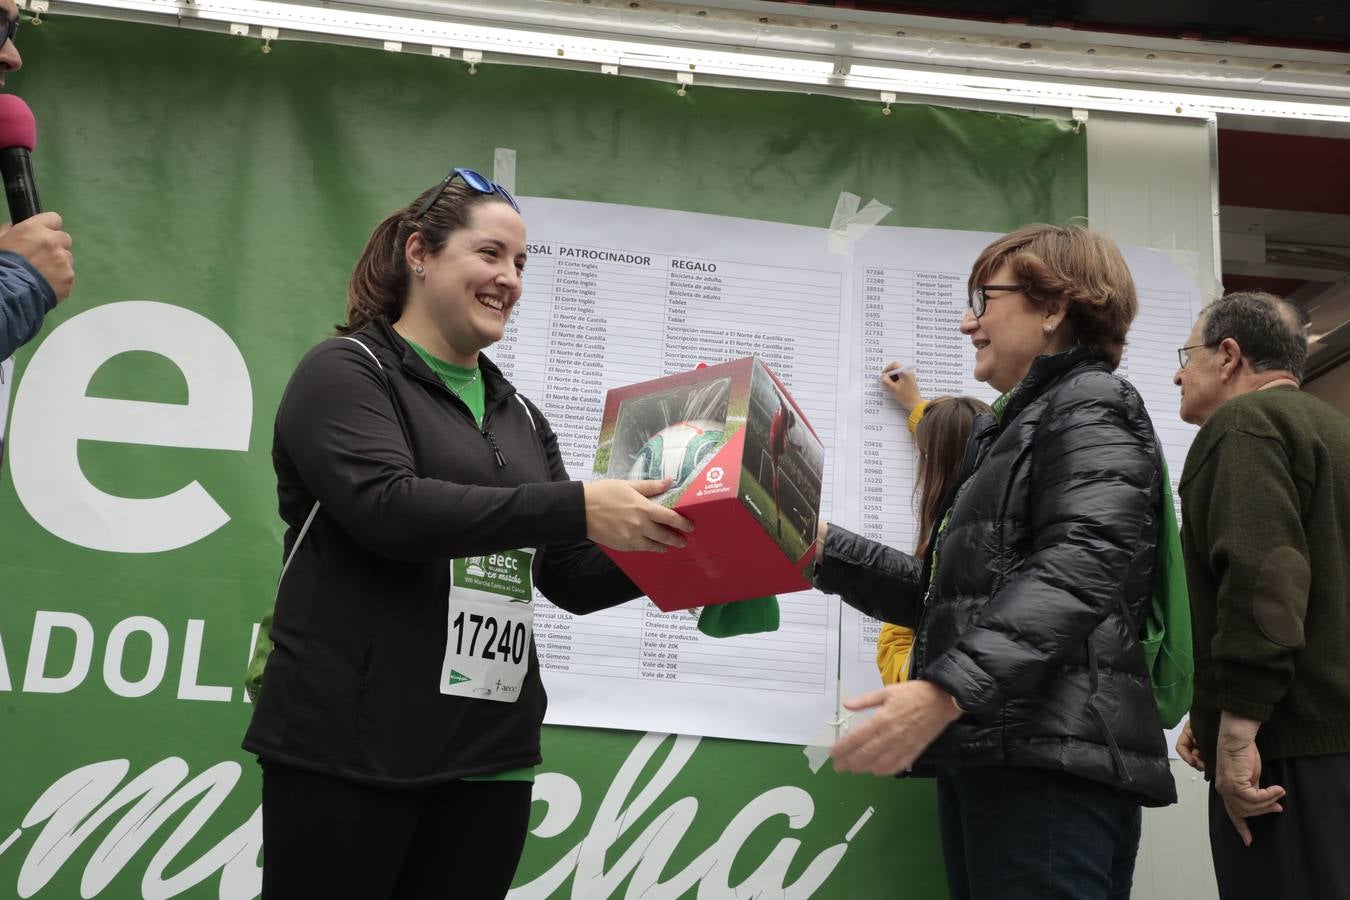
(419, 269)
(1048, 329)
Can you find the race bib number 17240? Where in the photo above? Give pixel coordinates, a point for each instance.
(489, 623)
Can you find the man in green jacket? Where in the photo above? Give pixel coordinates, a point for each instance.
(1265, 500)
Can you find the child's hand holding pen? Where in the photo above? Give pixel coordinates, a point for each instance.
(902, 384)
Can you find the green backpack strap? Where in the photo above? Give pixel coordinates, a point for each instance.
(1167, 630)
(262, 647)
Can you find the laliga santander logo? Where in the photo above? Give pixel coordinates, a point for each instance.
(712, 482)
(81, 804)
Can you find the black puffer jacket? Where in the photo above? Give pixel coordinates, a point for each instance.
(1052, 535)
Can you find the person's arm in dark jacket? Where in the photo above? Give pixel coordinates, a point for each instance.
(25, 298)
(577, 575)
(341, 431)
(1093, 509)
(870, 577)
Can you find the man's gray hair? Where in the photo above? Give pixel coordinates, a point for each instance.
(1269, 330)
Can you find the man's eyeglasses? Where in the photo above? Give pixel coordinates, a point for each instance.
(1184, 353)
(8, 28)
(475, 181)
(980, 299)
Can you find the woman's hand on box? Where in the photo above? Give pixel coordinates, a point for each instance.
(620, 515)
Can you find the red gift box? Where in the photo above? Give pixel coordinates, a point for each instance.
(748, 467)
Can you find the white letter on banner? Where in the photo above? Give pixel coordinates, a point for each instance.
(117, 645)
(78, 806)
(188, 686)
(35, 679)
(648, 855)
(770, 879)
(5, 683)
(52, 415)
(649, 852)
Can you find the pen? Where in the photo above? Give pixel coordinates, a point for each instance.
(894, 374)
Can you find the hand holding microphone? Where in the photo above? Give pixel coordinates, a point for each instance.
(41, 241)
(35, 235)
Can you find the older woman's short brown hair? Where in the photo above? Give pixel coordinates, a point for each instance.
(1074, 266)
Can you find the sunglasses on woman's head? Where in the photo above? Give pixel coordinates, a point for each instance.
(475, 182)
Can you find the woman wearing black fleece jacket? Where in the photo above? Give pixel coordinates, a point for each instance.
(399, 723)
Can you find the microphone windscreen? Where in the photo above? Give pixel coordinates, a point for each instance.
(18, 128)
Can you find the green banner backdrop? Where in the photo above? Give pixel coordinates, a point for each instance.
(229, 192)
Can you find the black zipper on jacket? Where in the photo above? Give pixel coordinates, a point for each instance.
(464, 407)
(483, 429)
(1117, 758)
(496, 450)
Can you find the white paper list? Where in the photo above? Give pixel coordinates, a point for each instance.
(615, 295)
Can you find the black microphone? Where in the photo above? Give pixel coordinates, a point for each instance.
(18, 137)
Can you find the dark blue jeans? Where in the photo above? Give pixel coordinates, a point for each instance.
(1031, 834)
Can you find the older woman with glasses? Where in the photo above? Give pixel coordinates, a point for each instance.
(399, 716)
(1030, 695)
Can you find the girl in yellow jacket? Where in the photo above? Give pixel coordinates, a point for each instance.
(941, 428)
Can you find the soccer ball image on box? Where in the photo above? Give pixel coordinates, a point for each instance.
(678, 451)
(668, 434)
(746, 468)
